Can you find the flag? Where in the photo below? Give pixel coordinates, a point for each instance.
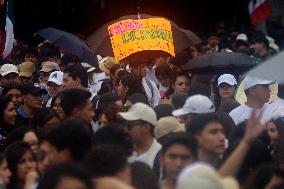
(259, 10)
(6, 28)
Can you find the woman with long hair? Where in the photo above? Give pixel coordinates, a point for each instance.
(5, 172)
(7, 119)
(22, 163)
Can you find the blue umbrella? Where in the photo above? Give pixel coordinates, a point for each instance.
(70, 43)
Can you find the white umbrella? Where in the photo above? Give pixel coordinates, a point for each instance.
(271, 69)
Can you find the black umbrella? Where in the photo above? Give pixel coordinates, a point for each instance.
(70, 43)
(100, 42)
(221, 62)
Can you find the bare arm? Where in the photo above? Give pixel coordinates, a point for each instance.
(232, 165)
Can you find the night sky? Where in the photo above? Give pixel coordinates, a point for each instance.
(85, 16)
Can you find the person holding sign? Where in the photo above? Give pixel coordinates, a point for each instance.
(149, 86)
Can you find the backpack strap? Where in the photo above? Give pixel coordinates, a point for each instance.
(149, 83)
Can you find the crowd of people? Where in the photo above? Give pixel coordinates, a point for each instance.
(65, 124)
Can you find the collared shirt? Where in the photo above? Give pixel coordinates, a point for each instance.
(22, 112)
(22, 118)
(149, 156)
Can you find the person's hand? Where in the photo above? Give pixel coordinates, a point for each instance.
(30, 178)
(253, 128)
(274, 181)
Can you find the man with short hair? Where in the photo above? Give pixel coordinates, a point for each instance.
(208, 129)
(108, 161)
(141, 120)
(258, 94)
(178, 151)
(75, 76)
(32, 102)
(76, 103)
(30, 55)
(261, 48)
(68, 142)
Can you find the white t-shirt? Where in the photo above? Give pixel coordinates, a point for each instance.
(154, 98)
(271, 109)
(149, 156)
(243, 112)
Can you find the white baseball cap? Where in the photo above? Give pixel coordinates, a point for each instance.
(202, 175)
(8, 68)
(227, 78)
(56, 77)
(242, 37)
(252, 81)
(140, 111)
(196, 104)
(89, 67)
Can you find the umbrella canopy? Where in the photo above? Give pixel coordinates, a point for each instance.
(221, 62)
(100, 41)
(192, 36)
(271, 69)
(70, 43)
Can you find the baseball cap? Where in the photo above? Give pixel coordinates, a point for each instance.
(88, 67)
(196, 104)
(56, 77)
(8, 68)
(227, 78)
(48, 66)
(140, 111)
(106, 63)
(33, 89)
(252, 81)
(27, 69)
(242, 37)
(201, 175)
(167, 125)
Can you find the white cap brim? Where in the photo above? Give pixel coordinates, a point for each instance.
(56, 82)
(228, 82)
(128, 116)
(264, 82)
(179, 112)
(5, 73)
